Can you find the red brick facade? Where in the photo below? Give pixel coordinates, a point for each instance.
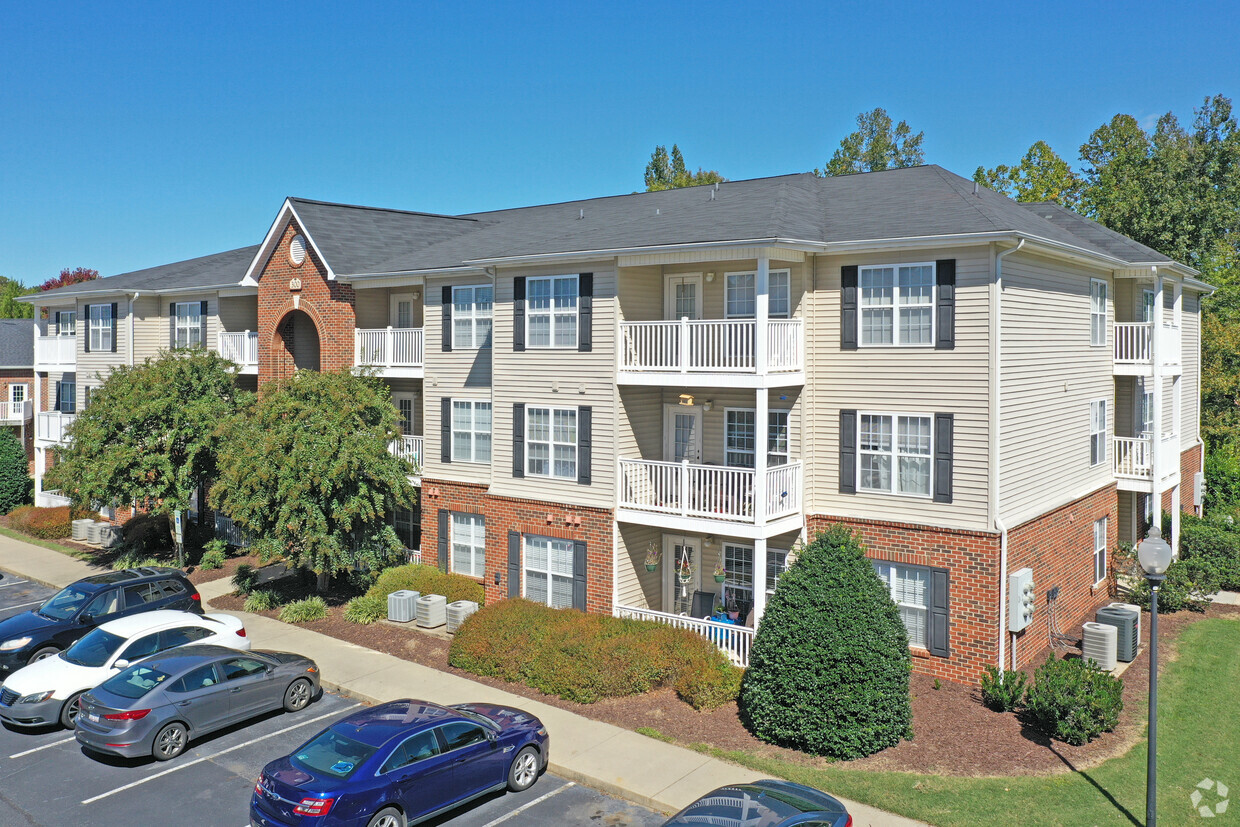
(1190, 464)
(505, 514)
(21, 376)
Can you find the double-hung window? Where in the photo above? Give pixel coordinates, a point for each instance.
(471, 431)
(1100, 551)
(1097, 432)
(66, 396)
(469, 544)
(895, 453)
(551, 311)
(1146, 401)
(66, 322)
(897, 304)
(738, 582)
(187, 326)
(101, 327)
(740, 437)
(909, 587)
(740, 295)
(549, 571)
(471, 317)
(551, 442)
(1097, 312)
(776, 565)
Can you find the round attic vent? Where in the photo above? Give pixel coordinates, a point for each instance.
(297, 250)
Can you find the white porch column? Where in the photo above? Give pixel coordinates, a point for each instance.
(761, 426)
(762, 295)
(1156, 458)
(759, 580)
(1174, 539)
(40, 466)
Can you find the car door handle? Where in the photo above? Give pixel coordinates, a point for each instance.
(184, 703)
(234, 690)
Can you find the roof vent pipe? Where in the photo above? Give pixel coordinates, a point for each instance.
(712, 195)
(975, 188)
(581, 214)
(658, 211)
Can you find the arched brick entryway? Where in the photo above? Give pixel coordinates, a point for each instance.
(295, 345)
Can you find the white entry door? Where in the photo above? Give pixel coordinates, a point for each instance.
(683, 297)
(402, 310)
(682, 433)
(405, 403)
(677, 589)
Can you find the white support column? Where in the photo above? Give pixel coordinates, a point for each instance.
(759, 580)
(762, 295)
(1156, 458)
(1175, 521)
(761, 426)
(40, 466)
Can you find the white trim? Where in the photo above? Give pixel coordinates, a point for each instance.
(106, 324)
(669, 433)
(1105, 432)
(1100, 551)
(267, 248)
(1106, 313)
(473, 317)
(895, 454)
(477, 553)
(669, 303)
(551, 442)
(25, 392)
(891, 567)
(474, 431)
(525, 567)
(189, 327)
(670, 582)
(394, 300)
(763, 438)
(551, 313)
(782, 271)
(896, 306)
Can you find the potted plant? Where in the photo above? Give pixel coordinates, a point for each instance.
(652, 557)
(721, 573)
(734, 611)
(684, 570)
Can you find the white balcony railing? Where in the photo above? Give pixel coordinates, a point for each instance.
(1135, 345)
(241, 348)
(15, 411)
(408, 448)
(708, 491)
(734, 641)
(1132, 457)
(710, 346)
(55, 350)
(50, 426)
(391, 347)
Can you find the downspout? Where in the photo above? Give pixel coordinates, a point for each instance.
(132, 299)
(996, 418)
(1200, 442)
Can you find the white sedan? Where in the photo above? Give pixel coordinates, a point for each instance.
(47, 691)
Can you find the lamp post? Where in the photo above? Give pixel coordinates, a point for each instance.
(1154, 555)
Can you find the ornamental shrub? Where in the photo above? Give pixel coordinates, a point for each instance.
(365, 609)
(213, 555)
(829, 669)
(1188, 585)
(1215, 542)
(16, 487)
(45, 523)
(1073, 700)
(427, 580)
(262, 600)
(245, 578)
(304, 611)
(1002, 692)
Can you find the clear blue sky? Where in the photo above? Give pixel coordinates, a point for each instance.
(140, 134)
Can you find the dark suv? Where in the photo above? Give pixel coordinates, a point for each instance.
(76, 609)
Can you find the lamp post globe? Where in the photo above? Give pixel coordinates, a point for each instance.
(1154, 555)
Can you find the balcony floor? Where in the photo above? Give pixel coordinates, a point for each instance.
(754, 381)
(707, 525)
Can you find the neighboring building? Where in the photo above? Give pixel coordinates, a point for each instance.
(17, 379)
(713, 373)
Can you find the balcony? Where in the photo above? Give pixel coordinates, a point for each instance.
(408, 448)
(241, 348)
(1135, 348)
(55, 353)
(691, 497)
(1132, 459)
(395, 351)
(733, 641)
(15, 413)
(50, 426)
(713, 352)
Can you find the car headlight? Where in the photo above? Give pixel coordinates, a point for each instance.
(13, 644)
(37, 697)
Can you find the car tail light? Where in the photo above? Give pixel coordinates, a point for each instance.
(258, 785)
(849, 822)
(241, 632)
(196, 597)
(314, 806)
(130, 715)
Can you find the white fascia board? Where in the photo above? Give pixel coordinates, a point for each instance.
(611, 253)
(273, 236)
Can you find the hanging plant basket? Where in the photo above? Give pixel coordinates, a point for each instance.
(652, 566)
(719, 578)
(684, 573)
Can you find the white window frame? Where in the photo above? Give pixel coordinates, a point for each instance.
(475, 546)
(101, 329)
(25, 393)
(1147, 305)
(1098, 312)
(474, 431)
(552, 313)
(734, 581)
(527, 568)
(1100, 550)
(476, 321)
(783, 276)
(897, 305)
(895, 455)
(70, 329)
(551, 442)
(782, 457)
(1098, 412)
(776, 560)
(62, 397)
(185, 328)
(892, 568)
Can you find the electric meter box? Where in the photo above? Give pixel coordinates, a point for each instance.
(1020, 599)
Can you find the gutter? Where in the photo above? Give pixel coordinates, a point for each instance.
(996, 424)
(132, 299)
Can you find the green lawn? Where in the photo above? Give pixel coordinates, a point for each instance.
(1199, 737)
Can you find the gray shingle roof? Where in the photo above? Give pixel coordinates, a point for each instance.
(1104, 238)
(16, 343)
(215, 270)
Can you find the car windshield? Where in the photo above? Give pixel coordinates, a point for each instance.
(64, 604)
(94, 649)
(333, 754)
(134, 682)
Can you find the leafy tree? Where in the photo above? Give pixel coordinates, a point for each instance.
(151, 432)
(829, 668)
(875, 146)
(16, 486)
(9, 307)
(308, 470)
(67, 277)
(1041, 176)
(665, 173)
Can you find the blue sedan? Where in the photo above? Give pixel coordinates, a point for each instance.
(400, 763)
(768, 803)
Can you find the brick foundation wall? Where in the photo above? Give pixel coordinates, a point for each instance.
(504, 514)
(1058, 546)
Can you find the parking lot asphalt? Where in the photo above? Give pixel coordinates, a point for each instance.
(46, 777)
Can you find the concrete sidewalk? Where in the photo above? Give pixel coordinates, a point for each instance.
(606, 757)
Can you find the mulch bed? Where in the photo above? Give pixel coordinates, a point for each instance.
(954, 734)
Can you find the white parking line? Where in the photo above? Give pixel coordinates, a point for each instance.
(19, 605)
(45, 746)
(13, 583)
(216, 755)
(529, 804)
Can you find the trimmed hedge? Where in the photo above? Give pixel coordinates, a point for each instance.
(16, 487)
(1073, 700)
(45, 523)
(1213, 542)
(585, 658)
(427, 580)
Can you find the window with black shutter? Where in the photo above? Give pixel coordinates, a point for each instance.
(514, 564)
(848, 452)
(445, 429)
(945, 304)
(446, 300)
(943, 447)
(518, 313)
(518, 439)
(442, 545)
(585, 312)
(848, 307)
(583, 444)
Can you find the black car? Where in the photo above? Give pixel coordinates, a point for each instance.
(80, 607)
(769, 803)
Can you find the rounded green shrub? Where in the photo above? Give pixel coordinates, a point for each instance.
(1188, 585)
(427, 580)
(1002, 692)
(304, 611)
(1073, 700)
(1214, 542)
(133, 560)
(211, 559)
(365, 609)
(262, 600)
(829, 669)
(16, 487)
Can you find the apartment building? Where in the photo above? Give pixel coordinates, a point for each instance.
(16, 379)
(608, 400)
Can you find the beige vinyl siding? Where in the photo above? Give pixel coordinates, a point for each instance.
(411, 386)
(1125, 515)
(901, 380)
(640, 435)
(643, 290)
(1127, 401)
(641, 294)
(557, 377)
(238, 314)
(634, 585)
(101, 363)
(460, 374)
(1191, 331)
(151, 327)
(373, 305)
(1050, 373)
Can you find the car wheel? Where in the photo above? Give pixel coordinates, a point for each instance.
(387, 817)
(297, 696)
(524, 770)
(45, 652)
(69, 712)
(169, 742)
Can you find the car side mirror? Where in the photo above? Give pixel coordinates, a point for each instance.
(492, 737)
(86, 617)
(121, 664)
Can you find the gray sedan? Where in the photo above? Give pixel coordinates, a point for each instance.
(154, 707)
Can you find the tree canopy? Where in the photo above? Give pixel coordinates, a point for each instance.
(1041, 175)
(875, 145)
(10, 308)
(666, 172)
(67, 277)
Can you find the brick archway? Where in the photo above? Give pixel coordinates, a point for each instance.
(295, 345)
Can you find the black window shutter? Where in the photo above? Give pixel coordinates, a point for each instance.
(446, 300)
(86, 326)
(579, 575)
(172, 325)
(945, 304)
(585, 312)
(940, 624)
(848, 452)
(583, 444)
(518, 313)
(57, 322)
(943, 426)
(445, 430)
(443, 539)
(514, 564)
(848, 307)
(115, 327)
(518, 439)
(202, 323)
